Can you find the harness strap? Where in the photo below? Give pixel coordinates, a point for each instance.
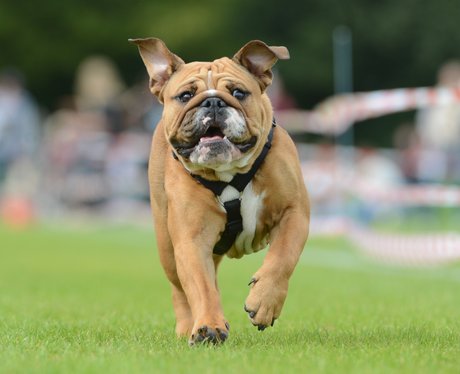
(234, 225)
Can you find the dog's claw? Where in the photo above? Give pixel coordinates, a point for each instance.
(203, 330)
(252, 281)
(205, 335)
(250, 312)
(221, 335)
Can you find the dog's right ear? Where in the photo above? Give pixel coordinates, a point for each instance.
(160, 62)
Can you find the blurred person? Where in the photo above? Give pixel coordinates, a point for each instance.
(19, 121)
(141, 111)
(439, 130)
(77, 138)
(326, 169)
(375, 173)
(126, 174)
(19, 139)
(74, 151)
(98, 86)
(407, 144)
(98, 144)
(127, 158)
(377, 170)
(97, 83)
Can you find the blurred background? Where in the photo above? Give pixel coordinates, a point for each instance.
(76, 116)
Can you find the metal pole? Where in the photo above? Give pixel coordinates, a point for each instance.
(343, 83)
(343, 76)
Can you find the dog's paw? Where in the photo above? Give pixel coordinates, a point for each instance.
(265, 301)
(205, 335)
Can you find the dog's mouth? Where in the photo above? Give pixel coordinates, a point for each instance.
(213, 137)
(212, 134)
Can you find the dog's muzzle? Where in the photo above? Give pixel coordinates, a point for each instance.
(214, 132)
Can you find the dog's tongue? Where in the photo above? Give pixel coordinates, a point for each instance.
(210, 138)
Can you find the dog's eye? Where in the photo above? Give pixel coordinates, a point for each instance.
(185, 96)
(239, 94)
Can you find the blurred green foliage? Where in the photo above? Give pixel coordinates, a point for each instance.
(396, 43)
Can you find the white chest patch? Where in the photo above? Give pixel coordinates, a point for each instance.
(251, 207)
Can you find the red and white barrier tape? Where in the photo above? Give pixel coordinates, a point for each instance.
(331, 179)
(416, 195)
(415, 249)
(336, 114)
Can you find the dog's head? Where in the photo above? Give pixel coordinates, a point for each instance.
(216, 114)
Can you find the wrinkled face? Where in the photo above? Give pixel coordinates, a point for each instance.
(215, 115)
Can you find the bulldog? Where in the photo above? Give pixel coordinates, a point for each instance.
(224, 180)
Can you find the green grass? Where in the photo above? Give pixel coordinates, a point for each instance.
(96, 300)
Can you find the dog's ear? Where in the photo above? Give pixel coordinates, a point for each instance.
(160, 62)
(259, 58)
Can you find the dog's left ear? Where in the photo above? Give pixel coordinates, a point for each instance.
(160, 62)
(259, 58)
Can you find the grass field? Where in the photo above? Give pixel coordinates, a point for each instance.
(96, 300)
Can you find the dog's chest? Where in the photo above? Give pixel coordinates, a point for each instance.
(251, 209)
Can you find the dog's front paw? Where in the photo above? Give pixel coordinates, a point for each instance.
(206, 334)
(265, 301)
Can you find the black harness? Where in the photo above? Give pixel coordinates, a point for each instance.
(234, 225)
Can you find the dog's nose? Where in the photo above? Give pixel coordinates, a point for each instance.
(213, 103)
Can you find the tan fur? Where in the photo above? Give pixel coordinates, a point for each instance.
(188, 217)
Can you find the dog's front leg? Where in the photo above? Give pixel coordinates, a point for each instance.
(269, 285)
(193, 243)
